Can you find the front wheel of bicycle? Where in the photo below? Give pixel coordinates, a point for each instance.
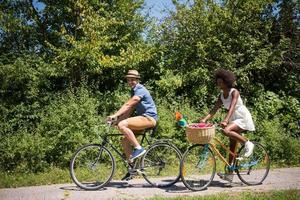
(198, 167)
(160, 164)
(92, 167)
(254, 169)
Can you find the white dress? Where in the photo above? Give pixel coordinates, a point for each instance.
(241, 115)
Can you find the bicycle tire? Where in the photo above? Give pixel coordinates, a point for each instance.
(92, 167)
(254, 169)
(198, 167)
(161, 164)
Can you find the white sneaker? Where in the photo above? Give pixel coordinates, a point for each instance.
(249, 146)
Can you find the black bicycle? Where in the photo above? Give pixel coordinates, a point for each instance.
(93, 165)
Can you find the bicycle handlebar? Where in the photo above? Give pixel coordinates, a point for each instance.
(217, 126)
(111, 121)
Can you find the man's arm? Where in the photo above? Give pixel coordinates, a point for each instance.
(128, 106)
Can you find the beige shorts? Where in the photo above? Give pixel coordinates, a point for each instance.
(139, 123)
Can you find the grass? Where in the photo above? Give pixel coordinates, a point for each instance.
(52, 176)
(272, 195)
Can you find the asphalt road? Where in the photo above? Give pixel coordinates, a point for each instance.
(278, 179)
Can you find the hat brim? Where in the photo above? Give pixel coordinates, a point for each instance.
(132, 76)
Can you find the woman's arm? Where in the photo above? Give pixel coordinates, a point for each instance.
(214, 110)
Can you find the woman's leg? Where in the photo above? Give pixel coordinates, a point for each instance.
(233, 144)
(234, 133)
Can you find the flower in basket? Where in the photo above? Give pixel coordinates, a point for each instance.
(181, 121)
(200, 125)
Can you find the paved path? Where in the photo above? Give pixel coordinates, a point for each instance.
(278, 179)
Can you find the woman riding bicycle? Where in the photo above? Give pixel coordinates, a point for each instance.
(237, 119)
(146, 116)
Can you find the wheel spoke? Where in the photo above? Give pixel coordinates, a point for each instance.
(254, 170)
(197, 167)
(161, 163)
(92, 167)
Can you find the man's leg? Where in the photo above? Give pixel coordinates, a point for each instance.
(127, 150)
(128, 134)
(127, 147)
(134, 123)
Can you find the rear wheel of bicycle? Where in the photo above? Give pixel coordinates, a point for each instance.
(198, 167)
(92, 167)
(160, 164)
(254, 169)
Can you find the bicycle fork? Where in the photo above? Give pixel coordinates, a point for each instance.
(93, 165)
(203, 157)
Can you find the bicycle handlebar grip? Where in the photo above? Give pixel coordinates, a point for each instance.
(114, 119)
(111, 120)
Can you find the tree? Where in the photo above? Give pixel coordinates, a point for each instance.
(199, 39)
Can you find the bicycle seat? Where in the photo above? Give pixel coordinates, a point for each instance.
(152, 130)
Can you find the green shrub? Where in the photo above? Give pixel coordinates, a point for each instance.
(73, 118)
(167, 122)
(70, 121)
(282, 148)
(269, 106)
(23, 152)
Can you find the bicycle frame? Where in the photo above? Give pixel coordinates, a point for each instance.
(217, 152)
(157, 159)
(106, 142)
(214, 148)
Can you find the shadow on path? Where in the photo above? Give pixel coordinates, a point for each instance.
(177, 188)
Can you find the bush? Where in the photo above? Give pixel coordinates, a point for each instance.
(270, 106)
(23, 152)
(282, 148)
(72, 118)
(68, 122)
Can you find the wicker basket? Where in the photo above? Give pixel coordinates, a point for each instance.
(199, 135)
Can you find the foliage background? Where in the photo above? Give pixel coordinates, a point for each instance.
(62, 68)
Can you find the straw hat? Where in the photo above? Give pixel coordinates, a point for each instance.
(133, 74)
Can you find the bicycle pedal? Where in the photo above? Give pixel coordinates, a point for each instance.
(128, 178)
(141, 172)
(133, 173)
(240, 158)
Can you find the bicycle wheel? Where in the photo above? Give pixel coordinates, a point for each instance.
(254, 169)
(198, 167)
(92, 167)
(160, 164)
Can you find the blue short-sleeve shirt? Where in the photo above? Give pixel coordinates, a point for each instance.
(146, 106)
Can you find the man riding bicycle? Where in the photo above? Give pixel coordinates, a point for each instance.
(146, 116)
